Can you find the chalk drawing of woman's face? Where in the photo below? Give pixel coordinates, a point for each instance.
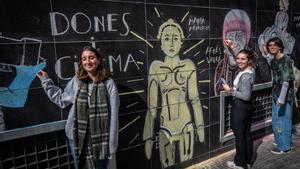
(237, 37)
(171, 41)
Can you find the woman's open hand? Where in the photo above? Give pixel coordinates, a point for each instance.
(230, 44)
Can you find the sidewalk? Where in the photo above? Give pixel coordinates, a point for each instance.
(264, 158)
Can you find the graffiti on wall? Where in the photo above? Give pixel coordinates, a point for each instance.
(237, 28)
(22, 73)
(279, 29)
(175, 116)
(15, 94)
(175, 82)
(21, 57)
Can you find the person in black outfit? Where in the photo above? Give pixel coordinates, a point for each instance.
(242, 109)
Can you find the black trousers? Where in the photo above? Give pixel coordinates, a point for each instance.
(241, 118)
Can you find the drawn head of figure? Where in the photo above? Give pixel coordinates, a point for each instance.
(237, 28)
(91, 63)
(279, 29)
(275, 45)
(284, 5)
(170, 35)
(244, 59)
(281, 20)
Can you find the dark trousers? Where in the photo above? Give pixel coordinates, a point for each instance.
(241, 117)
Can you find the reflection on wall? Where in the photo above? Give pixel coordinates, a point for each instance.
(237, 28)
(174, 82)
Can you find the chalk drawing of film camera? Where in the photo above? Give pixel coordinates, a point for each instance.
(19, 63)
(16, 52)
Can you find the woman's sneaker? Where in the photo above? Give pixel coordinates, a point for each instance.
(231, 164)
(277, 151)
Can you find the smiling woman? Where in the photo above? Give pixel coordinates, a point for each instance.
(236, 35)
(89, 63)
(244, 60)
(92, 94)
(242, 110)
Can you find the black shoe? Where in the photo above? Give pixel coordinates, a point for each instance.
(277, 151)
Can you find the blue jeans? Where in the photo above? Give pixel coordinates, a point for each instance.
(71, 146)
(282, 125)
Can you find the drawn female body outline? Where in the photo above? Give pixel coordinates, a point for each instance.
(177, 82)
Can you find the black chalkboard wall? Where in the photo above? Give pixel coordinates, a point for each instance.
(51, 33)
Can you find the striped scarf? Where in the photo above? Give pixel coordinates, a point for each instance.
(91, 125)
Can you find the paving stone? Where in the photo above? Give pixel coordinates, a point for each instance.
(264, 159)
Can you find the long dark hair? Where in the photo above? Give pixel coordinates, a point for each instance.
(277, 42)
(102, 73)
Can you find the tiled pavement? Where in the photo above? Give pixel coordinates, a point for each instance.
(264, 158)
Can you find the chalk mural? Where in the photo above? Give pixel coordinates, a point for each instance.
(279, 29)
(166, 57)
(237, 28)
(177, 82)
(14, 95)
